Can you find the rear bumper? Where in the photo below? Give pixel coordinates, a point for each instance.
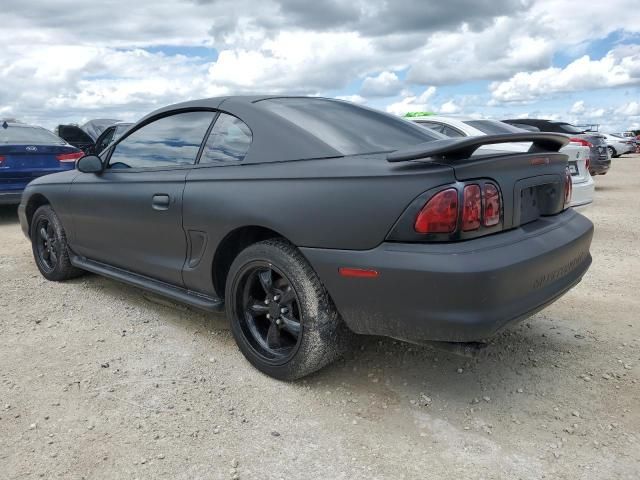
(599, 166)
(461, 291)
(10, 198)
(583, 193)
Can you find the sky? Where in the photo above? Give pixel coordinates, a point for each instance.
(65, 61)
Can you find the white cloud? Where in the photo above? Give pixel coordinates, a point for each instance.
(449, 108)
(578, 108)
(385, 84)
(620, 67)
(498, 51)
(631, 109)
(352, 98)
(59, 62)
(413, 103)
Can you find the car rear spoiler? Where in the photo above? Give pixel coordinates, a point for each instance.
(462, 148)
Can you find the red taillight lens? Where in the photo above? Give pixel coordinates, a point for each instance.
(69, 157)
(472, 208)
(440, 213)
(2, 159)
(581, 141)
(491, 215)
(568, 188)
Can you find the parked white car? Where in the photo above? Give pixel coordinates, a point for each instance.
(583, 184)
(619, 145)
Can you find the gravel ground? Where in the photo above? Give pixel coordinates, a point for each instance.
(99, 380)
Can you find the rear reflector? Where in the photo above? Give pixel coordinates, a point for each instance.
(69, 157)
(491, 215)
(540, 161)
(472, 208)
(357, 272)
(440, 213)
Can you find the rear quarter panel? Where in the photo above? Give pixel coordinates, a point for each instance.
(343, 203)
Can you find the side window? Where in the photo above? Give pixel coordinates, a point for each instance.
(433, 126)
(169, 141)
(120, 129)
(451, 132)
(104, 140)
(229, 141)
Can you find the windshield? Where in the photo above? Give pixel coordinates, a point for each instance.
(493, 127)
(568, 128)
(348, 128)
(25, 135)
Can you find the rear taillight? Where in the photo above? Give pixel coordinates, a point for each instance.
(2, 159)
(491, 214)
(440, 213)
(472, 208)
(69, 157)
(581, 141)
(480, 207)
(568, 188)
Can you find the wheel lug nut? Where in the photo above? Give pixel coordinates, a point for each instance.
(278, 321)
(276, 298)
(268, 315)
(283, 310)
(266, 302)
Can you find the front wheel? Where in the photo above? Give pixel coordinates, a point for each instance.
(282, 318)
(49, 246)
(612, 152)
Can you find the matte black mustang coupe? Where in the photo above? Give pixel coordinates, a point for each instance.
(310, 218)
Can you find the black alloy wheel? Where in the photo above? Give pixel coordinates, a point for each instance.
(46, 244)
(281, 315)
(270, 312)
(49, 246)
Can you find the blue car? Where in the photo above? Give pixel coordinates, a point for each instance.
(28, 152)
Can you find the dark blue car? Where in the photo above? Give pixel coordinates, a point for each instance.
(28, 152)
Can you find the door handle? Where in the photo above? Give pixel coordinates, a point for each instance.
(161, 201)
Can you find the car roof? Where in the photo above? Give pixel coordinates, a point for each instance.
(274, 137)
(446, 118)
(529, 120)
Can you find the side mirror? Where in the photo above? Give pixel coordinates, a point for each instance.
(90, 164)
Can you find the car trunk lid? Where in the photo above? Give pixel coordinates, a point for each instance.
(577, 158)
(20, 163)
(531, 183)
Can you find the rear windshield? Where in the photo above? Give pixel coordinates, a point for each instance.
(348, 128)
(568, 128)
(23, 135)
(493, 127)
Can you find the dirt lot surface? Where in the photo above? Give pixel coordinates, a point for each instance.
(97, 380)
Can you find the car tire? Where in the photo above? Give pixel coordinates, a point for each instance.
(269, 277)
(49, 246)
(612, 152)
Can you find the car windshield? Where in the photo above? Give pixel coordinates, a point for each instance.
(348, 128)
(493, 127)
(25, 135)
(568, 128)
